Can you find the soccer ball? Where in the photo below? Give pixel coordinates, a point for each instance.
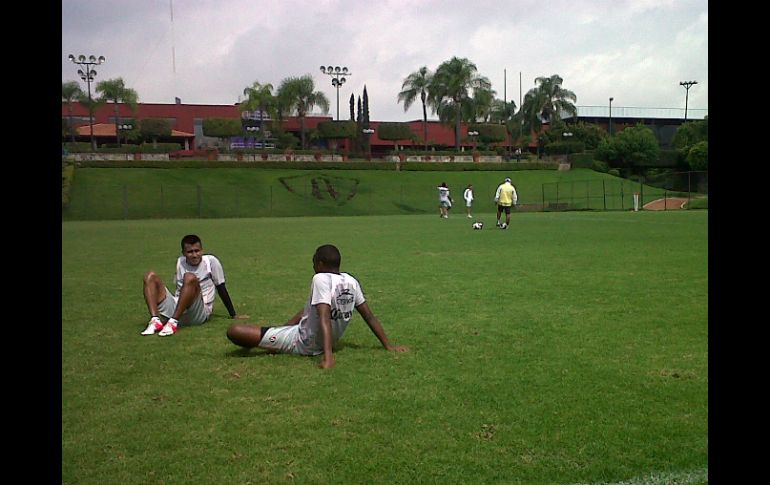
(478, 225)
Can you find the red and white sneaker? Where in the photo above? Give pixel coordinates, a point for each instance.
(152, 327)
(168, 329)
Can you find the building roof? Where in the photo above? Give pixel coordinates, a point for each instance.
(108, 129)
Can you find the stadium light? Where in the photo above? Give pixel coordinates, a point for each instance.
(687, 85)
(338, 79)
(87, 74)
(610, 125)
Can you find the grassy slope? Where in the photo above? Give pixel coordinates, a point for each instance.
(100, 193)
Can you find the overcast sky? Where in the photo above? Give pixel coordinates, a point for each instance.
(208, 51)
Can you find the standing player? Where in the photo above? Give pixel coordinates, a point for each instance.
(468, 196)
(317, 327)
(505, 197)
(444, 200)
(197, 276)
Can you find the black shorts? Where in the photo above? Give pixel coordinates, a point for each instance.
(504, 208)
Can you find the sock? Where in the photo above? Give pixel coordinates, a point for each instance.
(173, 322)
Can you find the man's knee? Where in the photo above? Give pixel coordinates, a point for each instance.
(150, 277)
(190, 279)
(244, 335)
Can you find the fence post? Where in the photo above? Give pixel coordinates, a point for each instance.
(604, 195)
(622, 202)
(125, 201)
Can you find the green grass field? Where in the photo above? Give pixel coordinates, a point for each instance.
(570, 349)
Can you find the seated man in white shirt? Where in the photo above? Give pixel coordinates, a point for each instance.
(319, 325)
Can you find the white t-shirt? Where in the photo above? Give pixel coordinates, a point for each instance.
(443, 194)
(209, 272)
(343, 293)
(468, 195)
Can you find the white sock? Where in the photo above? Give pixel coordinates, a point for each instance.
(173, 322)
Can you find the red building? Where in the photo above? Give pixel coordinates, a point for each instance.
(187, 124)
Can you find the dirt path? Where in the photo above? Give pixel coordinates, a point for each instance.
(671, 203)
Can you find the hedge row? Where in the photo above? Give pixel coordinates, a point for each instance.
(350, 165)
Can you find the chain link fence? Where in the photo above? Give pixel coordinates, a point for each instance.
(654, 191)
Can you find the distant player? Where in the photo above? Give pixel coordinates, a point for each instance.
(468, 196)
(444, 200)
(505, 197)
(317, 327)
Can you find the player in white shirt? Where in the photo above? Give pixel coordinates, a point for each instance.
(317, 327)
(468, 196)
(444, 200)
(198, 277)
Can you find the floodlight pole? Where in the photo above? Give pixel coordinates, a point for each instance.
(338, 79)
(88, 74)
(687, 85)
(610, 124)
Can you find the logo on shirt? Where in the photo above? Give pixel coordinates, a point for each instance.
(345, 298)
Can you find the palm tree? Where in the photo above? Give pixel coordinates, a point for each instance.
(116, 91)
(501, 111)
(545, 103)
(555, 98)
(414, 84)
(297, 95)
(259, 97)
(70, 91)
(449, 90)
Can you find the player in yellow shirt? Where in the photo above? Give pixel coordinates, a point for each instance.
(505, 197)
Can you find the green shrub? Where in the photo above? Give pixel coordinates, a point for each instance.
(599, 166)
(582, 160)
(698, 156)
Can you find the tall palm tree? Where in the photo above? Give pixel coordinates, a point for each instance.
(555, 98)
(450, 89)
(417, 83)
(501, 111)
(297, 95)
(116, 91)
(259, 97)
(70, 91)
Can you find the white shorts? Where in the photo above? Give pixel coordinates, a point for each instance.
(468, 203)
(281, 339)
(195, 315)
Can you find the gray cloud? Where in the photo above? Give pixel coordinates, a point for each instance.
(635, 51)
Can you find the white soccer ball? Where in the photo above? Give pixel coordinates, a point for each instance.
(478, 225)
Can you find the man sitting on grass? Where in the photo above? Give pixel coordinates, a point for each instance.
(319, 325)
(197, 276)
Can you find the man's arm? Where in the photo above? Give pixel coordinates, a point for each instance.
(225, 296)
(374, 324)
(324, 313)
